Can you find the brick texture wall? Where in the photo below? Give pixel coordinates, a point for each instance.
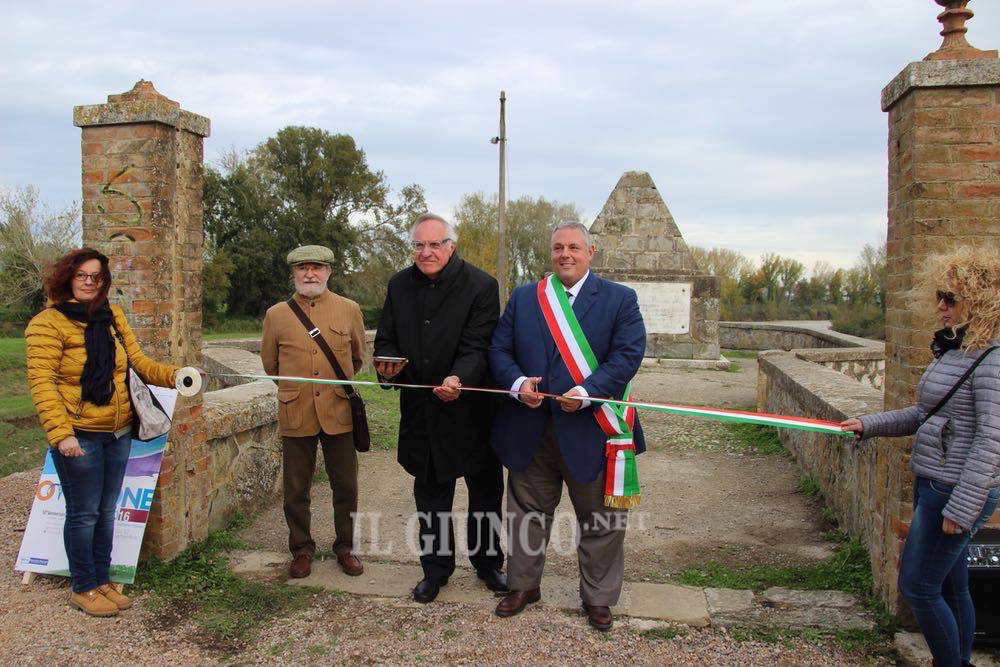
(142, 206)
(944, 189)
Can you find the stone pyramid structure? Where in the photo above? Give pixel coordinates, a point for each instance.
(639, 245)
(638, 232)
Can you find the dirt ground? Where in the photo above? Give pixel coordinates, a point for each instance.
(38, 627)
(703, 498)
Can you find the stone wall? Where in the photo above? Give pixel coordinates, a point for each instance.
(243, 436)
(785, 336)
(868, 485)
(863, 364)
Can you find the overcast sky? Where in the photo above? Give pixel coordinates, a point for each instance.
(759, 120)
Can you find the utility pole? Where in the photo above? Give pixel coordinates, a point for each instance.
(501, 139)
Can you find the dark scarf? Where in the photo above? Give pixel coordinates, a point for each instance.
(947, 339)
(100, 365)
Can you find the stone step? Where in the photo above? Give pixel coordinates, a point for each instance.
(696, 607)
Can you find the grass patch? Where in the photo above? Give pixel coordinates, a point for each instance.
(740, 354)
(228, 609)
(383, 413)
(847, 570)
(21, 448)
(836, 535)
(216, 326)
(809, 486)
(663, 634)
(734, 367)
(756, 438)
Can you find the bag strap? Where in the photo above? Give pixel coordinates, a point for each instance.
(961, 380)
(130, 368)
(121, 339)
(317, 337)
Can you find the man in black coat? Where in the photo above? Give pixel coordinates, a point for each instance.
(439, 315)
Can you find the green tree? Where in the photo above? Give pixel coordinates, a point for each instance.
(529, 229)
(302, 186)
(729, 266)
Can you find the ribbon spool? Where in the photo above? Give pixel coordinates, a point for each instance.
(189, 381)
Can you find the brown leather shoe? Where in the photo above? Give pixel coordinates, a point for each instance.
(599, 617)
(516, 601)
(301, 566)
(350, 564)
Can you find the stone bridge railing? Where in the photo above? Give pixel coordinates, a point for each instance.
(242, 421)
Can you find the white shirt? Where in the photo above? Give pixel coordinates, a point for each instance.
(571, 294)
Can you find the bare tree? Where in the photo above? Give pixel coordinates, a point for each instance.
(32, 237)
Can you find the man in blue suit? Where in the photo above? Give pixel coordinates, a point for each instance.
(546, 443)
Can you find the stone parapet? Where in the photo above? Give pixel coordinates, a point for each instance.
(787, 336)
(867, 486)
(864, 364)
(242, 422)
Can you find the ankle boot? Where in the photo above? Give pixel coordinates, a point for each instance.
(93, 603)
(118, 599)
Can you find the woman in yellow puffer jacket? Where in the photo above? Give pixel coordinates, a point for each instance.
(77, 376)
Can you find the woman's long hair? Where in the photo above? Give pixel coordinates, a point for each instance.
(59, 281)
(972, 274)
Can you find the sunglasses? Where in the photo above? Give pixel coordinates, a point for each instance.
(949, 298)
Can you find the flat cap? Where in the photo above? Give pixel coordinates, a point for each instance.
(316, 254)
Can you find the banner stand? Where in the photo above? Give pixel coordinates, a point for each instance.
(42, 550)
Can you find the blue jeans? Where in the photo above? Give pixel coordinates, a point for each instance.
(934, 574)
(90, 485)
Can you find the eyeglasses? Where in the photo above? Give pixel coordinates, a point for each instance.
(82, 277)
(949, 298)
(418, 246)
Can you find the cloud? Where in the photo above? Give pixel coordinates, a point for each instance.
(758, 120)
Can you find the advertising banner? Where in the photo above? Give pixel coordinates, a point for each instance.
(42, 548)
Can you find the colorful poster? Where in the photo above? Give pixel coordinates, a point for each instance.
(42, 548)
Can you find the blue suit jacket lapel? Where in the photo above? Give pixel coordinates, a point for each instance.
(587, 296)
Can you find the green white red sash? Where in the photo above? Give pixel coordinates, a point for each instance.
(621, 487)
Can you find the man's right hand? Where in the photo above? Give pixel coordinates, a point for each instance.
(528, 392)
(389, 369)
(70, 447)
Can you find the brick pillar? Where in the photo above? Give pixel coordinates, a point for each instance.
(142, 206)
(944, 189)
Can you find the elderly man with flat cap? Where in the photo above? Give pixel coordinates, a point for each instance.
(311, 413)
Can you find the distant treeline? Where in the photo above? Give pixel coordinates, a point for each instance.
(778, 288)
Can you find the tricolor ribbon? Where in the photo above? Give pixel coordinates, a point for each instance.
(621, 481)
(719, 414)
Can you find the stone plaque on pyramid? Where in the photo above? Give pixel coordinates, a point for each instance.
(639, 245)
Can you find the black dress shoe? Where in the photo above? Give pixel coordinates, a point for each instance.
(427, 590)
(495, 580)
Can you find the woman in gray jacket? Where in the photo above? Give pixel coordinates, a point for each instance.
(956, 451)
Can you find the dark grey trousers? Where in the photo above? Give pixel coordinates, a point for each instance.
(532, 496)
